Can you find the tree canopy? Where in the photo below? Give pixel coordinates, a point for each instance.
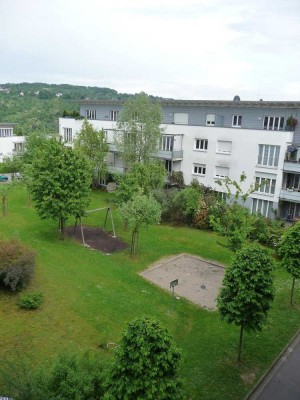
(146, 364)
(92, 143)
(138, 131)
(60, 184)
(247, 292)
(289, 250)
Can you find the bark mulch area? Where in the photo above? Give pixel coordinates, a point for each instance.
(97, 239)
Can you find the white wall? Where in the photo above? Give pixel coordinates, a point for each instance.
(7, 145)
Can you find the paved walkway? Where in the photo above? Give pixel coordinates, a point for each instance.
(282, 382)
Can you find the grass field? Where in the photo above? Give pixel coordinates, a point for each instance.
(90, 296)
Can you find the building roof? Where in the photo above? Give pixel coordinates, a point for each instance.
(208, 103)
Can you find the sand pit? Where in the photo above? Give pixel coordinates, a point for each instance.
(198, 280)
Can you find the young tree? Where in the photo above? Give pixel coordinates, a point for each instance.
(92, 143)
(146, 364)
(138, 132)
(140, 211)
(289, 250)
(247, 292)
(60, 183)
(5, 188)
(143, 178)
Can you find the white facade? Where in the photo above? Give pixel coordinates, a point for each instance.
(10, 145)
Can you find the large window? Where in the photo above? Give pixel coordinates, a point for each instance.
(263, 207)
(167, 143)
(201, 144)
(181, 118)
(221, 172)
(199, 169)
(90, 114)
(224, 146)
(268, 155)
(273, 123)
(237, 121)
(18, 147)
(265, 185)
(210, 119)
(5, 132)
(113, 115)
(68, 135)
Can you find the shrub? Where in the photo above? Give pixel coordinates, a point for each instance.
(17, 264)
(31, 301)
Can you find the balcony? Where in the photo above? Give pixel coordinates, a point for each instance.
(175, 155)
(113, 169)
(292, 195)
(291, 166)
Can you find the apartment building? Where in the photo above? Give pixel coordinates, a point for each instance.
(9, 143)
(210, 140)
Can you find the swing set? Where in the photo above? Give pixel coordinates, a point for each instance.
(108, 212)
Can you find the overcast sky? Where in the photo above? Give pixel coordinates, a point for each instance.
(184, 49)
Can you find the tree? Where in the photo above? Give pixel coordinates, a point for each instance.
(140, 211)
(146, 364)
(60, 183)
(138, 132)
(247, 291)
(143, 178)
(92, 143)
(5, 188)
(289, 250)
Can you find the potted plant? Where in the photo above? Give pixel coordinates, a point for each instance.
(291, 122)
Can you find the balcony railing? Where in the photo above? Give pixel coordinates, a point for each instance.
(170, 155)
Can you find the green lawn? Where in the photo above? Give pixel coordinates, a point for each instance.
(89, 298)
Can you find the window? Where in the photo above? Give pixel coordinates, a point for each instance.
(237, 121)
(210, 119)
(268, 155)
(263, 207)
(224, 146)
(199, 169)
(181, 118)
(201, 144)
(166, 143)
(90, 114)
(273, 123)
(18, 147)
(68, 135)
(221, 172)
(265, 185)
(5, 132)
(113, 115)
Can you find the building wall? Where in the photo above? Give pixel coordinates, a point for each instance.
(7, 145)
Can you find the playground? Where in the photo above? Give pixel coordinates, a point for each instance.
(198, 280)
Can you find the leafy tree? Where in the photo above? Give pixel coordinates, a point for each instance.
(289, 250)
(186, 204)
(228, 184)
(143, 178)
(60, 183)
(76, 377)
(92, 143)
(247, 292)
(138, 130)
(5, 188)
(140, 211)
(146, 364)
(12, 164)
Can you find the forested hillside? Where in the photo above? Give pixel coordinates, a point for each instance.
(37, 106)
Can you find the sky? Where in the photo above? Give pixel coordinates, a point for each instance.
(181, 49)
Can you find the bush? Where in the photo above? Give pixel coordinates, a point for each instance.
(31, 301)
(17, 264)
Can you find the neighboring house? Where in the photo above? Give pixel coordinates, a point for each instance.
(210, 140)
(9, 144)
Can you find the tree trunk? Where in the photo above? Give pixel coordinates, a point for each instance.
(292, 291)
(134, 243)
(4, 205)
(62, 228)
(240, 344)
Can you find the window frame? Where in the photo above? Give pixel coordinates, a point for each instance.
(210, 119)
(203, 144)
(236, 121)
(273, 123)
(199, 169)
